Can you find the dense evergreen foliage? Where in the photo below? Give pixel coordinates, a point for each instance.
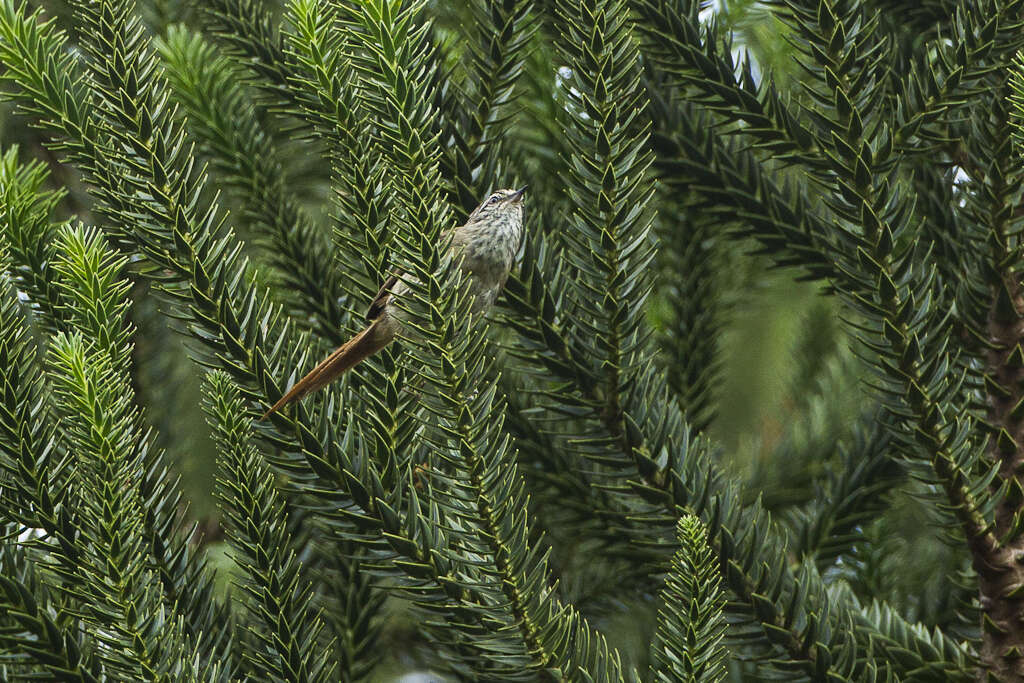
(209, 194)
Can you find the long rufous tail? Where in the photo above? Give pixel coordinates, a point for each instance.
(345, 357)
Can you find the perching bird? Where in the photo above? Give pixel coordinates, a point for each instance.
(487, 244)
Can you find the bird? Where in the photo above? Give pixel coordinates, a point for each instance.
(486, 247)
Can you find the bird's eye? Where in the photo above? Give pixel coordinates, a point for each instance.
(493, 199)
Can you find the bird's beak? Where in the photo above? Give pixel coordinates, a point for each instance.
(517, 196)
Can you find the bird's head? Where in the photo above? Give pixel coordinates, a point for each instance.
(499, 207)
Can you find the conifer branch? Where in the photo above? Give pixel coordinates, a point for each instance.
(122, 596)
(832, 524)
(470, 481)
(608, 239)
(763, 587)
(93, 299)
(349, 599)
(931, 655)
(122, 603)
(37, 468)
(276, 594)
(475, 483)
(238, 338)
(650, 472)
(246, 28)
(497, 53)
(183, 573)
(558, 486)
(702, 487)
(687, 646)
(32, 635)
(26, 221)
(688, 336)
(200, 255)
(194, 255)
(736, 188)
(897, 305)
(671, 489)
(324, 85)
(749, 558)
(311, 72)
(675, 41)
(404, 475)
(148, 210)
(226, 125)
(981, 37)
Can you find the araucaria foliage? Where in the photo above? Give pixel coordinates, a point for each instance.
(550, 491)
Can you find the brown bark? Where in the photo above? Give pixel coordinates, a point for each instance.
(1001, 572)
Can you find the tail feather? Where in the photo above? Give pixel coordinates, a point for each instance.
(344, 358)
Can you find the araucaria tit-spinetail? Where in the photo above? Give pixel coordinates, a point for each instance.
(487, 246)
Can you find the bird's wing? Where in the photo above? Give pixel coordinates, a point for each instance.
(381, 300)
